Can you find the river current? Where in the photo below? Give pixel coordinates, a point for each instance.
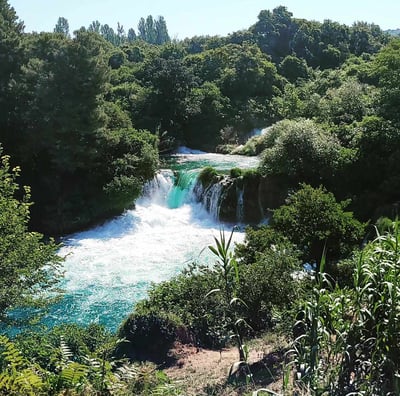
(110, 267)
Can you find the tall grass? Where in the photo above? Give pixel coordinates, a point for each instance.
(350, 337)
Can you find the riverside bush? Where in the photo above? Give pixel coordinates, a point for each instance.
(147, 336)
(184, 297)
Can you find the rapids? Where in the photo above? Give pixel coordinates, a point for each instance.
(110, 267)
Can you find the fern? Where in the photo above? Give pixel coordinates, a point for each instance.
(66, 353)
(18, 376)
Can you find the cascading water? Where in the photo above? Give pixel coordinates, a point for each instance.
(240, 205)
(110, 267)
(183, 186)
(212, 199)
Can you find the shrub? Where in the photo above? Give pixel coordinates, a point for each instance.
(148, 336)
(302, 151)
(312, 219)
(184, 297)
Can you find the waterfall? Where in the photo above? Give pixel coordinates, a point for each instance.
(239, 205)
(158, 189)
(212, 199)
(182, 189)
(110, 267)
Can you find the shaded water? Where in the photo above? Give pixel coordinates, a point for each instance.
(110, 267)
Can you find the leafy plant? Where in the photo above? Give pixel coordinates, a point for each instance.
(227, 268)
(18, 376)
(349, 336)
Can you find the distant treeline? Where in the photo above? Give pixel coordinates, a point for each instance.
(153, 31)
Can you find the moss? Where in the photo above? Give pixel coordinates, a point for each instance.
(251, 174)
(208, 175)
(236, 172)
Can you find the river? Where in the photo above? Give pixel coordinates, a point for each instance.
(110, 267)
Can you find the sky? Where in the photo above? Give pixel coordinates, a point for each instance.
(187, 18)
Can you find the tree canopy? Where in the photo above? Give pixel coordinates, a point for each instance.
(29, 266)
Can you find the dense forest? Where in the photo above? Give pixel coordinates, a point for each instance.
(84, 119)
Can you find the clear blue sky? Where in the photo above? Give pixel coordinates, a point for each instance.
(186, 18)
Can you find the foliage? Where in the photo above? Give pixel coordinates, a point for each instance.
(75, 371)
(62, 27)
(385, 67)
(147, 336)
(349, 343)
(312, 219)
(236, 172)
(43, 347)
(257, 241)
(269, 286)
(18, 376)
(29, 266)
(183, 298)
(227, 269)
(301, 151)
(293, 68)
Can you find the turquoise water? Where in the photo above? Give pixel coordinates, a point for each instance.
(110, 267)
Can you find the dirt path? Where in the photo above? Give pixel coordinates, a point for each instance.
(205, 372)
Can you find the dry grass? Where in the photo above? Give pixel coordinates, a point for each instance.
(205, 372)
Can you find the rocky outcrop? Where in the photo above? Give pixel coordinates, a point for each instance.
(247, 198)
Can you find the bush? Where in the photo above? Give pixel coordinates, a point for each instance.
(268, 286)
(312, 219)
(257, 242)
(148, 336)
(183, 297)
(301, 151)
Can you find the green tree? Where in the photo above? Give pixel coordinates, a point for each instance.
(131, 35)
(312, 219)
(121, 36)
(386, 68)
(108, 34)
(302, 151)
(142, 33)
(374, 176)
(11, 59)
(29, 267)
(75, 174)
(95, 27)
(62, 26)
(169, 83)
(348, 103)
(162, 35)
(151, 33)
(293, 68)
(366, 38)
(273, 32)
